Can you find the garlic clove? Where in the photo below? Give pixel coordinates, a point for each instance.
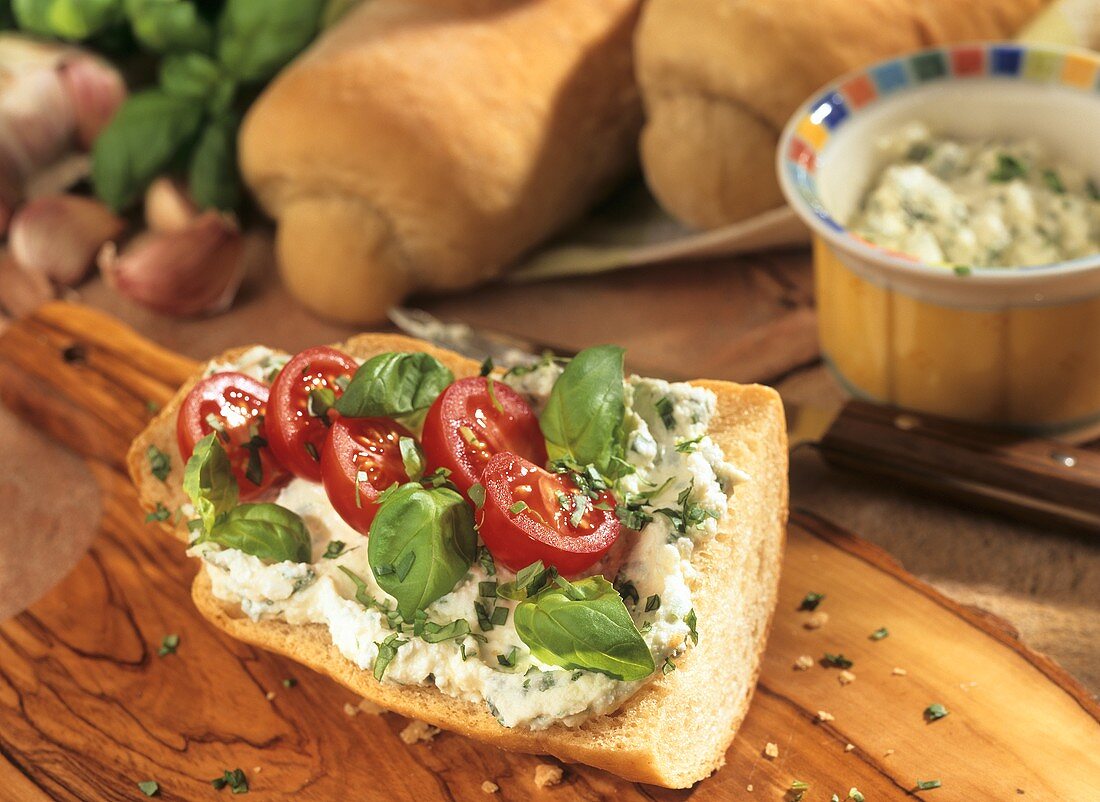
(168, 206)
(37, 119)
(58, 236)
(96, 90)
(194, 271)
(22, 292)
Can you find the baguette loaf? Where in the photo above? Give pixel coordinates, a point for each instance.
(673, 732)
(720, 78)
(426, 144)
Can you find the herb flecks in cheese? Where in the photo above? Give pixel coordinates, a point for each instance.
(485, 662)
(982, 203)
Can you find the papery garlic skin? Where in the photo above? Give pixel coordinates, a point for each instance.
(59, 236)
(190, 272)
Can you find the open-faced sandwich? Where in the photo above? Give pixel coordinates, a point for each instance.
(559, 559)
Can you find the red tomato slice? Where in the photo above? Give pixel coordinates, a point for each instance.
(232, 404)
(362, 457)
(297, 434)
(531, 514)
(467, 425)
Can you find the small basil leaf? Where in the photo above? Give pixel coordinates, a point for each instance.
(412, 458)
(213, 173)
(190, 75)
(583, 418)
(143, 138)
(167, 26)
(209, 482)
(67, 19)
(394, 385)
(429, 533)
(267, 531)
(256, 39)
(584, 625)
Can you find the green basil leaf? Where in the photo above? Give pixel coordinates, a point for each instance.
(209, 482)
(190, 75)
(584, 625)
(412, 457)
(583, 418)
(256, 39)
(67, 19)
(394, 385)
(144, 137)
(213, 177)
(167, 26)
(267, 531)
(422, 542)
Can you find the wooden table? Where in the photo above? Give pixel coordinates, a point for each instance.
(748, 319)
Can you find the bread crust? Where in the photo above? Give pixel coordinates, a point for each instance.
(720, 78)
(734, 601)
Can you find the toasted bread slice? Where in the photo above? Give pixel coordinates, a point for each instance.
(676, 729)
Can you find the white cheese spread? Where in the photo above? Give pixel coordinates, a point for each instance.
(675, 463)
(978, 204)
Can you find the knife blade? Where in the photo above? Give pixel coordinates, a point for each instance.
(1028, 478)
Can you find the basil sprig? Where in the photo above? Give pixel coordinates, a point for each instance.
(394, 385)
(583, 418)
(267, 531)
(584, 625)
(422, 542)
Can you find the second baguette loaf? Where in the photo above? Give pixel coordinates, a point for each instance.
(719, 78)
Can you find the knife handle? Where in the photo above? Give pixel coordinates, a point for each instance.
(1042, 481)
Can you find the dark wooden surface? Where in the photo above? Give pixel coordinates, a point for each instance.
(87, 708)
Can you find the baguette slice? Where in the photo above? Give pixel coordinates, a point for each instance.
(674, 731)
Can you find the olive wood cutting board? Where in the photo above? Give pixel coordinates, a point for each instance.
(88, 708)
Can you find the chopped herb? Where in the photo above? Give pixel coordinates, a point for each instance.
(879, 633)
(628, 591)
(499, 616)
(477, 495)
(161, 513)
(319, 401)
(665, 410)
(361, 594)
(668, 667)
(935, 712)
(387, 650)
(215, 423)
(153, 407)
(518, 507)
(837, 661)
(459, 629)
(692, 623)
(1008, 168)
(487, 590)
(484, 622)
(168, 645)
(384, 569)
(689, 514)
(335, 549)
(811, 600)
(928, 785)
(468, 435)
(855, 795)
(689, 446)
(149, 787)
(1054, 181)
(412, 458)
(490, 386)
(440, 477)
(342, 381)
(632, 517)
(254, 472)
(487, 366)
(485, 557)
(1093, 190)
(581, 505)
(312, 451)
(918, 152)
(235, 779)
(962, 270)
(159, 464)
(528, 582)
(289, 682)
(653, 603)
(402, 568)
(509, 660)
(797, 790)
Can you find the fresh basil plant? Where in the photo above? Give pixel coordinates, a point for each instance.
(421, 544)
(584, 625)
(394, 385)
(267, 531)
(583, 418)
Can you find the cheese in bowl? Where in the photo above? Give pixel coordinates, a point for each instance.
(953, 195)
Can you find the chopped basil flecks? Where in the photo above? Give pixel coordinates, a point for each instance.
(289, 682)
(235, 779)
(499, 616)
(653, 603)
(518, 507)
(485, 558)
(509, 660)
(928, 785)
(159, 463)
(665, 410)
(689, 446)
(811, 600)
(628, 591)
(668, 667)
(387, 650)
(477, 495)
(1008, 168)
(487, 590)
(161, 513)
(855, 795)
(168, 645)
(335, 549)
(934, 712)
(692, 621)
(837, 661)
(149, 787)
(797, 790)
(879, 633)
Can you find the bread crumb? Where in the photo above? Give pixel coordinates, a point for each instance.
(350, 710)
(817, 620)
(490, 787)
(771, 750)
(748, 788)
(547, 774)
(257, 769)
(269, 695)
(417, 731)
(849, 747)
(823, 716)
(370, 708)
(803, 663)
(899, 672)
(888, 752)
(846, 677)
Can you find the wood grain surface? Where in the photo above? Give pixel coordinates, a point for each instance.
(88, 708)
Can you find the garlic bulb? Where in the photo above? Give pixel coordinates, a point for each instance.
(168, 206)
(193, 271)
(21, 292)
(59, 236)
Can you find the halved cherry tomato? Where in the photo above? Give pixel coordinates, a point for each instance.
(531, 514)
(362, 457)
(297, 425)
(467, 425)
(232, 404)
